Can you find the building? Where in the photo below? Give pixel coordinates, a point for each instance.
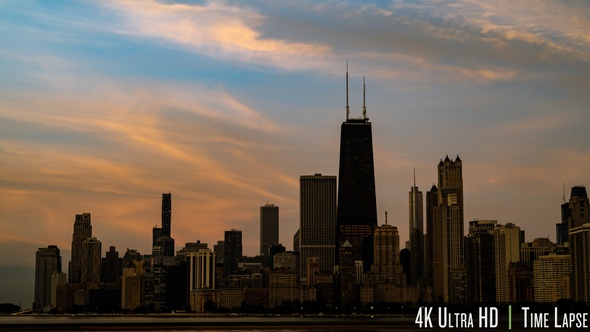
(91, 259)
(47, 263)
(444, 215)
(201, 270)
(386, 253)
(551, 275)
(579, 207)
(232, 251)
(507, 242)
(111, 267)
(162, 240)
(530, 251)
(347, 284)
(357, 206)
(82, 231)
(481, 265)
(317, 223)
(416, 230)
(579, 240)
(269, 227)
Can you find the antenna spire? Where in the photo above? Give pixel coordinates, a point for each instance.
(414, 176)
(347, 108)
(385, 217)
(564, 192)
(364, 100)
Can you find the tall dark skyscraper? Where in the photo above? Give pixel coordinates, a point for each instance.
(167, 214)
(269, 227)
(416, 226)
(317, 223)
(357, 206)
(232, 251)
(47, 262)
(82, 231)
(162, 240)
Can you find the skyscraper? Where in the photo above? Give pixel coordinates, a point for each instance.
(232, 251)
(357, 206)
(507, 242)
(317, 223)
(82, 231)
(579, 207)
(579, 239)
(416, 219)
(480, 262)
(269, 227)
(91, 258)
(445, 215)
(162, 240)
(47, 262)
(386, 253)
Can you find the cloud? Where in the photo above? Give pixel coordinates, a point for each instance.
(215, 29)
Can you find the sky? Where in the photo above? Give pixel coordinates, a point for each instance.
(105, 105)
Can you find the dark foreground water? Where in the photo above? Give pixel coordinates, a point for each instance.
(222, 323)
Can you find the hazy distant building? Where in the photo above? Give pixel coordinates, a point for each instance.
(47, 263)
(416, 230)
(232, 251)
(269, 227)
(317, 225)
(357, 207)
(551, 275)
(445, 217)
(530, 251)
(507, 242)
(82, 231)
(579, 241)
(91, 259)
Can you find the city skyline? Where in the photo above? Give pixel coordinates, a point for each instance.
(105, 106)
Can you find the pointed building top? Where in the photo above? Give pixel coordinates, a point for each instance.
(346, 244)
(347, 108)
(364, 100)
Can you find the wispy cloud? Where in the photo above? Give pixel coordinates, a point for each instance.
(215, 29)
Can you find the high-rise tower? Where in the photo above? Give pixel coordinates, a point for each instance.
(162, 241)
(445, 217)
(415, 228)
(82, 231)
(269, 227)
(47, 263)
(357, 206)
(317, 226)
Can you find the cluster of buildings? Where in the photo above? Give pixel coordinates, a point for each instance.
(341, 257)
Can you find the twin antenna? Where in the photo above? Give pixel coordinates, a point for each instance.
(364, 97)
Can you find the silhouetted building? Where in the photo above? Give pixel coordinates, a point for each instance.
(111, 267)
(232, 251)
(82, 231)
(269, 227)
(317, 225)
(162, 240)
(445, 216)
(507, 242)
(481, 266)
(347, 275)
(47, 263)
(357, 206)
(579, 207)
(520, 283)
(579, 241)
(416, 230)
(91, 257)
